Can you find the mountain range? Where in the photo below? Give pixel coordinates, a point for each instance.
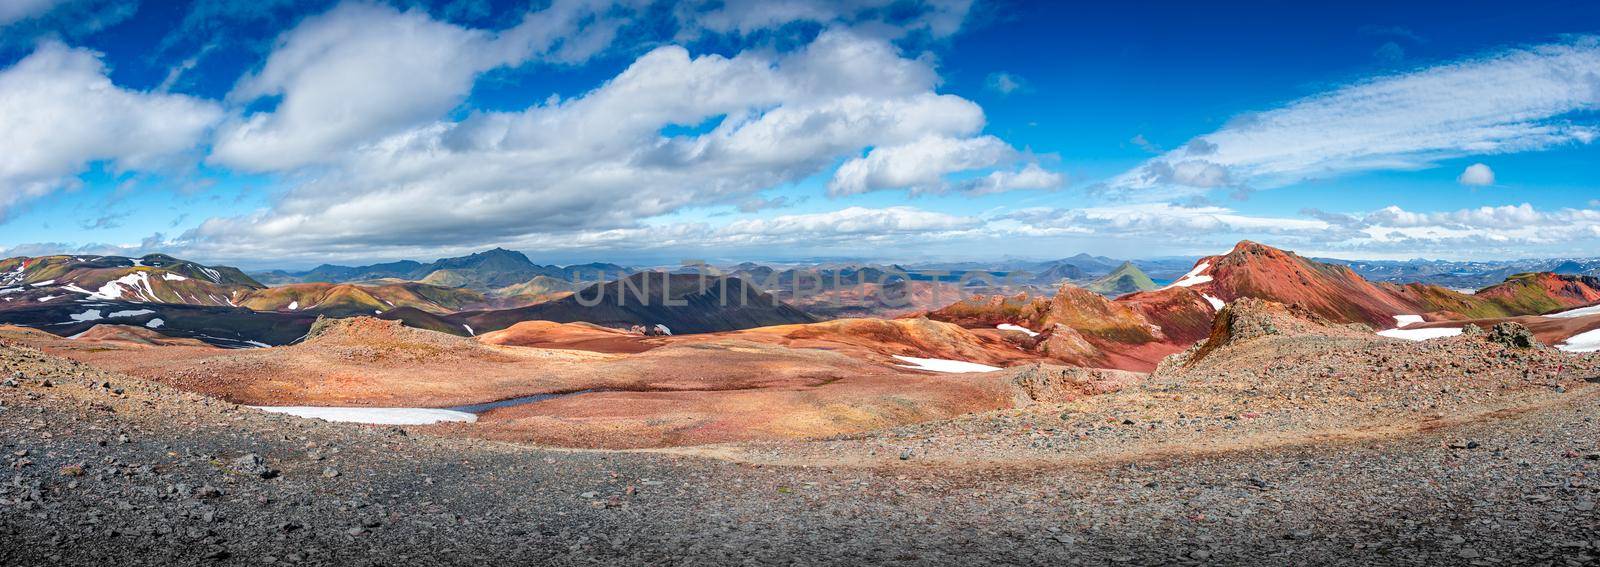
(483, 271)
(1086, 309)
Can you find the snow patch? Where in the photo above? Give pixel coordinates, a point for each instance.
(1588, 341)
(1404, 320)
(171, 277)
(942, 365)
(1017, 328)
(1216, 303)
(1579, 312)
(137, 282)
(376, 416)
(47, 298)
(1421, 334)
(294, 305)
(1194, 277)
(43, 283)
(470, 332)
(130, 313)
(90, 315)
(663, 329)
(155, 323)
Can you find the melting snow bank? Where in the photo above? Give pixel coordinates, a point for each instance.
(1403, 320)
(1420, 334)
(1588, 341)
(1216, 303)
(375, 416)
(942, 365)
(1193, 278)
(1018, 328)
(1579, 312)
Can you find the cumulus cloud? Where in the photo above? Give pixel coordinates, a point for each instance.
(1513, 101)
(1500, 227)
(1476, 174)
(1030, 177)
(601, 160)
(59, 113)
(364, 71)
(921, 164)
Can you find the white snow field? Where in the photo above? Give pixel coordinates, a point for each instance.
(942, 365)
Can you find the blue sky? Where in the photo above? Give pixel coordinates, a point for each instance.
(289, 133)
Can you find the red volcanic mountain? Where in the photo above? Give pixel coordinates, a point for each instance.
(1543, 292)
(1134, 331)
(1263, 272)
(1082, 327)
(1336, 293)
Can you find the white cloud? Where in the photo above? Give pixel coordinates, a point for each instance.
(884, 18)
(59, 112)
(1031, 176)
(1508, 102)
(852, 221)
(1492, 232)
(1004, 83)
(1476, 174)
(600, 160)
(18, 10)
(364, 71)
(921, 164)
(1169, 218)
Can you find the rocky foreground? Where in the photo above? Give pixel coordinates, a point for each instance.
(100, 468)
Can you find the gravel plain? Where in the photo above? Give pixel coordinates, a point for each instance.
(99, 468)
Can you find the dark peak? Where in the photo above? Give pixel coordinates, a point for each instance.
(502, 253)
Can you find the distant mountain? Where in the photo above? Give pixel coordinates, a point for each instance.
(1127, 278)
(1057, 273)
(345, 300)
(483, 271)
(681, 303)
(1093, 264)
(536, 290)
(1543, 292)
(329, 273)
(156, 278)
(1464, 274)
